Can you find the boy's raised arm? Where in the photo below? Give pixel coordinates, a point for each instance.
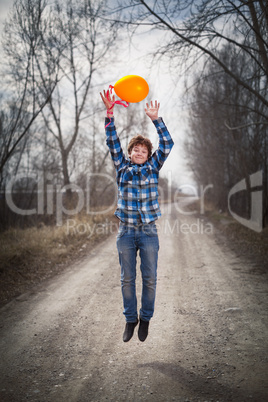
(112, 139)
(165, 141)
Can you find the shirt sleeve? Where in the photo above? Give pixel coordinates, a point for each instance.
(114, 145)
(165, 144)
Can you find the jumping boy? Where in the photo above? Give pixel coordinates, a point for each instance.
(137, 210)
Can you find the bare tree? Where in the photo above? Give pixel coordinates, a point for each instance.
(88, 43)
(195, 31)
(24, 95)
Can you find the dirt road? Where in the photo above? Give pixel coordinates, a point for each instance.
(207, 340)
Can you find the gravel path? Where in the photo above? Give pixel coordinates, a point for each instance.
(207, 340)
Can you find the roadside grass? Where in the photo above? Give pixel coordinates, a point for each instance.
(244, 241)
(248, 242)
(29, 256)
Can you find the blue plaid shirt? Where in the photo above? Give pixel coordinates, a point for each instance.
(138, 183)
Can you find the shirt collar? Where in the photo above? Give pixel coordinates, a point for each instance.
(137, 164)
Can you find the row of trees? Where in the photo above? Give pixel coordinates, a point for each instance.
(228, 132)
(54, 52)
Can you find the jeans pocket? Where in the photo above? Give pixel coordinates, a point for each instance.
(150, 230)
(121, 231)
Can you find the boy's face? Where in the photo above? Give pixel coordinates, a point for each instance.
(139, 154)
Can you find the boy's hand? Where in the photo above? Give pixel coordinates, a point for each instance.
(108, 101)
(152, 110)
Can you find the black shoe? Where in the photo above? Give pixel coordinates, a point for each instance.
(129, 330)
(143, 330)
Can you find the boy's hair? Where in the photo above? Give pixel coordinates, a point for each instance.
(139, 139)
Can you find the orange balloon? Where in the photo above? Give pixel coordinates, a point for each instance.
(131, 88)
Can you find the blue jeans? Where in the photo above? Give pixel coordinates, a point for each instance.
(130, 240)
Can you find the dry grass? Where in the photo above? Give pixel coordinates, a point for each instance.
(245, 242)
(29, 256)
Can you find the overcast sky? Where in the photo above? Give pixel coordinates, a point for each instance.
(162, 88)
(4, 7)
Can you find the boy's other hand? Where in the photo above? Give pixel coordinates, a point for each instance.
(152, 110)
(108, 101)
